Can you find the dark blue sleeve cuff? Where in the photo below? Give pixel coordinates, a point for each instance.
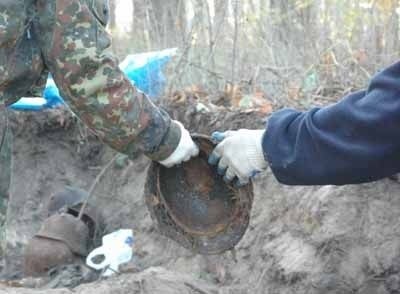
(353, 141)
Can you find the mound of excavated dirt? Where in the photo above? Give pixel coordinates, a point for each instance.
(300, 240)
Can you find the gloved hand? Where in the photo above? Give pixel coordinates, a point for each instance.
(239, 154)
(185, 150)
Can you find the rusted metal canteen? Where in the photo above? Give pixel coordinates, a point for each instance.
(192, 205)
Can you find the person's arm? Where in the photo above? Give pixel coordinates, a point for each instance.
(353, 141)
(76, 50)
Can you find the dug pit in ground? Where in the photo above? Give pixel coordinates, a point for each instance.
(300, 239)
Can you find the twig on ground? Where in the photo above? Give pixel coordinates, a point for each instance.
(94, 184)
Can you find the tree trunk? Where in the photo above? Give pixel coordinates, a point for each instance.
(169, 20)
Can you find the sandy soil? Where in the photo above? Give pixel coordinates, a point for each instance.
(300, 239)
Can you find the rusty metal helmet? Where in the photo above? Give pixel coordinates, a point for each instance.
(42, 254)
(67, 229)
(70, 200)
(194, 206)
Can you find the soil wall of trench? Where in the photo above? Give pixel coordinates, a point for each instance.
(300, 239)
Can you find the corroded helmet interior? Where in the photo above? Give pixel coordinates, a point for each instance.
(197, 196)
(195, 207)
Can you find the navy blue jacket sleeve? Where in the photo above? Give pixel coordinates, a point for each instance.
(353, 141)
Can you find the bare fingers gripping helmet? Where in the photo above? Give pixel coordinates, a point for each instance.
(192, 205)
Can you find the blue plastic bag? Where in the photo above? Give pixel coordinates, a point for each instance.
(144, 70)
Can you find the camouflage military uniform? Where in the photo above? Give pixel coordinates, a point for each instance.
(67, 38)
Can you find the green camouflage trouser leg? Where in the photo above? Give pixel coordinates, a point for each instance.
(5, 179)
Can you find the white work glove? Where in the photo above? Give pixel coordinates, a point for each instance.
(239, 154)
(186, 149)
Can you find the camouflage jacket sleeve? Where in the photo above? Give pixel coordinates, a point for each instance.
(76, 49)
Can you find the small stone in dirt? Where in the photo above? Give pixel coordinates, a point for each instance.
(121, 161)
